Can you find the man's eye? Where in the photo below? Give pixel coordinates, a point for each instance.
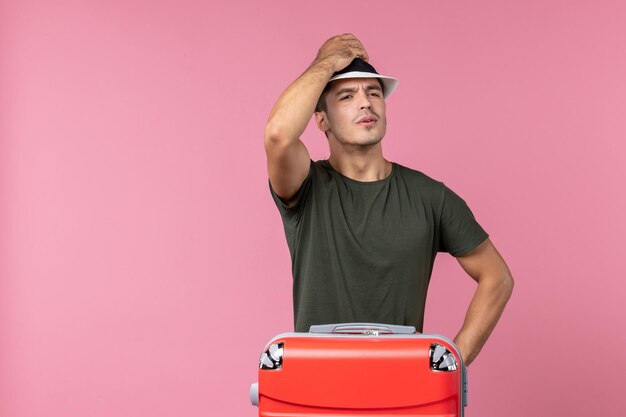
(346, 97)
(375, 94)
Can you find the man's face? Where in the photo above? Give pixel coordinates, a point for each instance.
(355, 112)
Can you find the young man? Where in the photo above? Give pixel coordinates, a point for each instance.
(363, 232)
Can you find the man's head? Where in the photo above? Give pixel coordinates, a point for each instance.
(358, 68)
(351, 109)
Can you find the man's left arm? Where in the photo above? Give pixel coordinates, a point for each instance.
(495, 284)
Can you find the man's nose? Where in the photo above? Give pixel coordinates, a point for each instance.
(364, 101)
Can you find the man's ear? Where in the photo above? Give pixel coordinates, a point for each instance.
(320, 119)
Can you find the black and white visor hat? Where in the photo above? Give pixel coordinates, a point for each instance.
(359, 68)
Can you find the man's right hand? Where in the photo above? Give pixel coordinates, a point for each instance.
(340, 50)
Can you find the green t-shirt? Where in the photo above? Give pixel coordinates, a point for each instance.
(364, 251)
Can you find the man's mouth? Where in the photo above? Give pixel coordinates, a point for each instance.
(367, 120)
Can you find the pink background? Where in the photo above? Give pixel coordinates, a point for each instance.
(143, 264)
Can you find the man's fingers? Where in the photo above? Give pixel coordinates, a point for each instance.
(342, 49)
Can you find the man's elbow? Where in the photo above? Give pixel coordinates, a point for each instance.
(506, 284)
(499, 282)
(276, 136)
(272, 136)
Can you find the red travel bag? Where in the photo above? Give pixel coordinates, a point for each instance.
(360, 369)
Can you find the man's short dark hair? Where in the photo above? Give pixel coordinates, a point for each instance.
(321, 102)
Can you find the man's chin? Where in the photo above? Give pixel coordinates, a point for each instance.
(364, 144)
(363, 140)
(368, 141)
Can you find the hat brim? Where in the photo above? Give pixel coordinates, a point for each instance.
(389, 83)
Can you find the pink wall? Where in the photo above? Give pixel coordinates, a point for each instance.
(143, 264)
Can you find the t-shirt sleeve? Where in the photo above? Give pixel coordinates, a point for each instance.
(459, 230)
(287, 211)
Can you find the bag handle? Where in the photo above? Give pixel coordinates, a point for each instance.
(362, 328)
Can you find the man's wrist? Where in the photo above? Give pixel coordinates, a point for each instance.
(326, 65)
(459, 342)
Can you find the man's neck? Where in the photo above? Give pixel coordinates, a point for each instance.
(366, 166)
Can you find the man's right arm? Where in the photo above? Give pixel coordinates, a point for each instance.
(288, 160)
